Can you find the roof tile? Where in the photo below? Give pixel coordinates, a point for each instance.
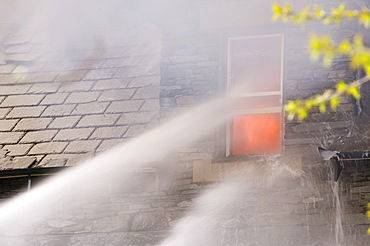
(33, 124)
(22, 112)
(18, 149)
(44, 88)
(76, 75)
(13, 89)
(124, 106)
(74, 134)
(56, 98)
(109, 132)
(39, 136)
(107, 84)
(76, 86)
(10, 137)
(90, 108)
(112, 95)
(22, 100)
(8, 79)
(64, 122)
(38, 77)
(7, 125)
(82, 146)
(59, 110)
(106, 73)
(98, 120)
(48, 148)
(83, 97)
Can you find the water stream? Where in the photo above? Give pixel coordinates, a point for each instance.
(221, 217)
(226, 214)
(81, 184)
(338, 230)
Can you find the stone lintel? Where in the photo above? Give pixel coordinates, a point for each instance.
(285, 166)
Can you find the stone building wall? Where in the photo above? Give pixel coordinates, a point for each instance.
(341, 130)
(131, 90)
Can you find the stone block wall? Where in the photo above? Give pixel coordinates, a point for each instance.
(11, 187)
(341, 130)
(54, 117)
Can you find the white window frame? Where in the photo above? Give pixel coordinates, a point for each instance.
(249, 111)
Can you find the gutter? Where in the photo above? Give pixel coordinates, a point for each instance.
(26, 172)
(337, 159)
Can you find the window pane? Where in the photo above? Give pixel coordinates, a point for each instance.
(256, 134)
(257, 102)
(255, 65)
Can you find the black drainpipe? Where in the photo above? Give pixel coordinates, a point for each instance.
(337, 159)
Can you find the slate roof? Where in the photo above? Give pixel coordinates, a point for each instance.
(57, 110)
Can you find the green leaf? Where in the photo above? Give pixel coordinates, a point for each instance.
(328, 20)
(287, 9)
(334, 103)
(345, 46)
(291, 107)
(339, 10)
(276, 8)
(328, 59)
(341, 86)
(365, 20)
(358, 40)
(322, 107)
(310, 104)
(319, 12)
(367, 23)
(367, 69)
(275, 16)
(354, 92)
(302, 114)
(326, 42)
(355, 61)
(315, 55)
(353, 13)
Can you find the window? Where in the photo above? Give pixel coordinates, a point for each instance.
(254, 87)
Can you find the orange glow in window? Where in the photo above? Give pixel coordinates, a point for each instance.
(256, 134)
